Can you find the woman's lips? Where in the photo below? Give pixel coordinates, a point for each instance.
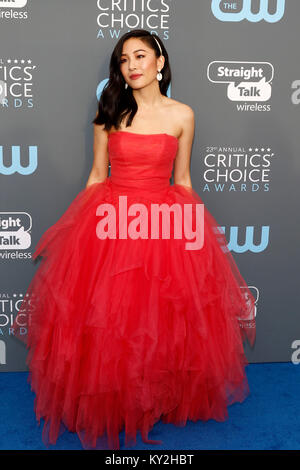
(134, 77)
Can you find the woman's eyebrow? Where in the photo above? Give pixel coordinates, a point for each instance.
(136, 51)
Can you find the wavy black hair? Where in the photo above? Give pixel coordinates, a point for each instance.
(116, 101)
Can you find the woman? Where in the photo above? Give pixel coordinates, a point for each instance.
(126, 327)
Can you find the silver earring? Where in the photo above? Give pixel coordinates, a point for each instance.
(159, 76)
(126, 86)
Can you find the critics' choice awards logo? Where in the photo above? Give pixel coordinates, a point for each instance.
(13, 313)
(16, 83)
(114, 17)
(237, 169)
(246, 81)
(15, 306)
(14, 233)
(251, 10)
(11, 165)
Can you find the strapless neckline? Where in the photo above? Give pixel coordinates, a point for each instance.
(147, 135)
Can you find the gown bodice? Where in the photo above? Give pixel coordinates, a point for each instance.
(142, 161)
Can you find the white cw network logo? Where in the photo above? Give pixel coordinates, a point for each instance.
(225, 11)
(13, 3)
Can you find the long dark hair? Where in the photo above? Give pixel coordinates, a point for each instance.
(115, 101)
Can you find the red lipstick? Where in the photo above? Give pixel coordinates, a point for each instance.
(135, 76)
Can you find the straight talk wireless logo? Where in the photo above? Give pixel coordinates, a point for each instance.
(11, 10)
(248, 83)
(15, 235)
(13, 3)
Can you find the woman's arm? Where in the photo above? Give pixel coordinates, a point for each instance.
(183, 157)
(99, 171)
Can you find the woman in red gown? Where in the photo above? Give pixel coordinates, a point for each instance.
(125, 328)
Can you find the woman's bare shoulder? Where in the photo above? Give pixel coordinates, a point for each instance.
(178, 106)
(181, 114)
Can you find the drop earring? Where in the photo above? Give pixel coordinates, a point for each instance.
(126, 86)
(159, 76)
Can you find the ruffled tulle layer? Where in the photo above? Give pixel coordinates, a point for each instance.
(122, 333)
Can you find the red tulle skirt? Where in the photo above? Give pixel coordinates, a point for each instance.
(124, 332)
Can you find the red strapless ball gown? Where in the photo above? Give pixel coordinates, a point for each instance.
(123, 332)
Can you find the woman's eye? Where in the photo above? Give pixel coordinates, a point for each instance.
(123, 60)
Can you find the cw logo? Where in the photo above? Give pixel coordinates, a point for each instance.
(16, 166)
(245, 12)
(248, 245)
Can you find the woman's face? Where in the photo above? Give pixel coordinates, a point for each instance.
(139, 60)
